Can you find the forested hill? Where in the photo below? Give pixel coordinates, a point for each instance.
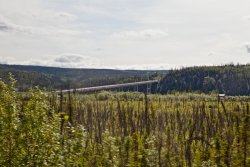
(63, 78)
(228, 79)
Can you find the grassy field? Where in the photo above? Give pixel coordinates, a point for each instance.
(123, 129)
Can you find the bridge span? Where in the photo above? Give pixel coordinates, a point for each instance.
(108, 87)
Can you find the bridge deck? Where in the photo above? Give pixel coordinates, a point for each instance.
(107, 87)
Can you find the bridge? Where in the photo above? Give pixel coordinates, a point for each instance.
(108, 87)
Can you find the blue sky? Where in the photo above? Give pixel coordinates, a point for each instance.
(124, 34)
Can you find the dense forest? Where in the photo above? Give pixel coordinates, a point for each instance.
(122, 129)
(53, 78)
(228, 79)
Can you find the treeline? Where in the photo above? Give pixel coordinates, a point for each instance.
(228, 79)
(26, 79)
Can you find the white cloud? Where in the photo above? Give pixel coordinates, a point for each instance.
(66, 60)
(142, 34)
(65, 16)
(247, 17)
(3, 62)
(72, 60)
(248, 48)
(69, 58)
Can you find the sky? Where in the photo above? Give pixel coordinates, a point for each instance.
(124, 34)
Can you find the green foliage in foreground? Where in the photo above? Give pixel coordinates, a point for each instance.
(126, 130)
(30, 132)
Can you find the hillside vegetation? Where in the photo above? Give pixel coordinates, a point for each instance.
(229, 79)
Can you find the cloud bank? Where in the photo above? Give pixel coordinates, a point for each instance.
(65, 60)
(116, 33)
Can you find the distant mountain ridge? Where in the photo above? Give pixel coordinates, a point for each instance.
(68, 71)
